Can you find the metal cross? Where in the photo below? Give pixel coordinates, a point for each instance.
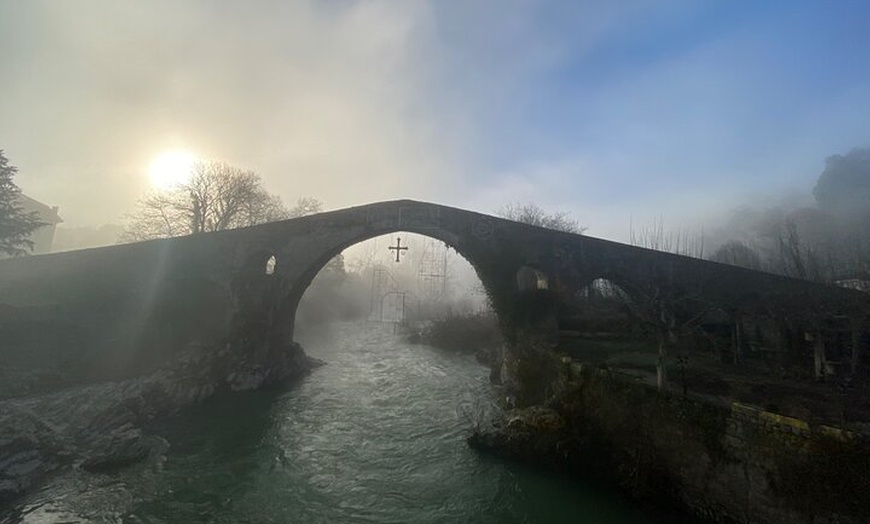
(398, 248)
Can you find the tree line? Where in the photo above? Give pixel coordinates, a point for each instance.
(827, 241)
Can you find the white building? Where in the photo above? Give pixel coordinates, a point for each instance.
(43, 238)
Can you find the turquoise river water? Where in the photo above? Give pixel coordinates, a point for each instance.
(375, 436)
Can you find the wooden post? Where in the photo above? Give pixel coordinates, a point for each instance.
(661, 364)
(819, 355)
(738, 339)
(781, 344)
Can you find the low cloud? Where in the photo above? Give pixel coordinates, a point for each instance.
(321, 99)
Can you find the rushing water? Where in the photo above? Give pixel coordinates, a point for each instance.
(377, 435)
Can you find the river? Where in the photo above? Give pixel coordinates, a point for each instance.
(376, 435)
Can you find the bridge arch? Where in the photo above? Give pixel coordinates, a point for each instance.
(298, 278)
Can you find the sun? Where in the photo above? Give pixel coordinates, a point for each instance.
(171, 168)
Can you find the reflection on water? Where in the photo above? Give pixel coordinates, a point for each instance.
(377, 435)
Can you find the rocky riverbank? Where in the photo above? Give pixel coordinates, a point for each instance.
(718, 462)
(99, 427)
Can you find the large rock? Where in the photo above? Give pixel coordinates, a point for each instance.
(99, 427)
(532, 435)
(30, 450)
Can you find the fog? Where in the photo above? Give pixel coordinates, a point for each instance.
(620, 116)
(321, 100)
(366, 282)
(733, 131)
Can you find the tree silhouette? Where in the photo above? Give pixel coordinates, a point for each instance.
(844, 185)
(529, 213)
(16, 224)
(737, 253)
(218, 196)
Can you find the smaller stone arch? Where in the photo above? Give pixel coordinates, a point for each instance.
(531, 279)
(261, 261)
(603, 289)
(600, 306)
(271, 263)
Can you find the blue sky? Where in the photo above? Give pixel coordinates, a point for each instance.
(623, 111)
(691, 107)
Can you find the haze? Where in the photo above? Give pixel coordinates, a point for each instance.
(681, 110)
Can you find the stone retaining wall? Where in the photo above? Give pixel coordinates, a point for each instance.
(728, 461)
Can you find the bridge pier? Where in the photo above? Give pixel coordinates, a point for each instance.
(530, 331)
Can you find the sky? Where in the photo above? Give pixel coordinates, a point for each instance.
(618, 112)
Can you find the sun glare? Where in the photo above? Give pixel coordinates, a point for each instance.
(171, 168)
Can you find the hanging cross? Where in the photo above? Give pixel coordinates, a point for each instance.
(398, 248)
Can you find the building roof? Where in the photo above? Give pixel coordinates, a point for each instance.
(47, 213)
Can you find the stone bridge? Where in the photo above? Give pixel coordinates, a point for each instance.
(129, 309)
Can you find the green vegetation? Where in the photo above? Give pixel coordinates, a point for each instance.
(476, 333)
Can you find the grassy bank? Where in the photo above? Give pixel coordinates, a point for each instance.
(477, 334)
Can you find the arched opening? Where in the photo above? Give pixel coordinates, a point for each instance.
(604, 292)
(531, 279)
(413, 286)
(602, 305)
(601, 327)
(271, 262)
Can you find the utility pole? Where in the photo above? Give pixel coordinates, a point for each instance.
(432, 272)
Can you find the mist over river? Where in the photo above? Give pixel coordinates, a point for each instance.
(376, 435)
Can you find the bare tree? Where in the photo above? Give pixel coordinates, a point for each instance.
(218, 196)
(737, 253)
(796, 258)
(306, 206)
(158, 215)
(670, 312)
(828, 241)
(680, 242)
(529, 213)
